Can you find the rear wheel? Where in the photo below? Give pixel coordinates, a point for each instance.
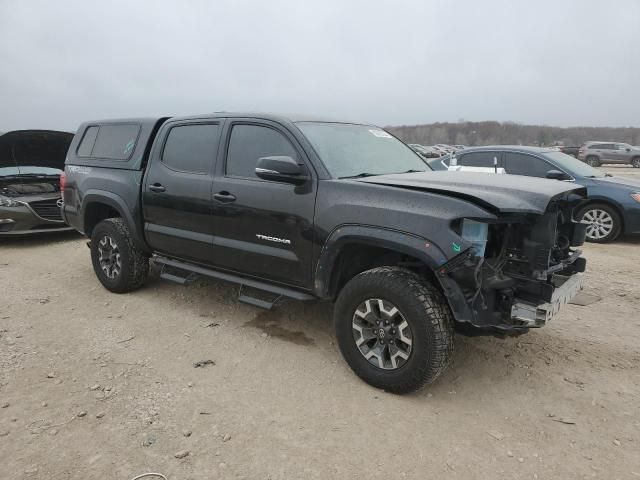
(604, 222)
(394, 329)
(636, 162)
(118, 264)
(593, 161)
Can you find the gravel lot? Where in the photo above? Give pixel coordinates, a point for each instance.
(95, 385)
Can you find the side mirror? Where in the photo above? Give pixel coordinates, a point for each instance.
(628, 149)
(557, 175)
(281, 169)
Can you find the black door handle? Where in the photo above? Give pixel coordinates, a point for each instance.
(224, 197)
(156, 187)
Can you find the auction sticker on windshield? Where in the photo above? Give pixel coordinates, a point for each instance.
(380, 133)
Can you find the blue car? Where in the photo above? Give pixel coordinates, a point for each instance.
(613, 204)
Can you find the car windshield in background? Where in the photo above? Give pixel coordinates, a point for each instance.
(572, 165)
(349, 150)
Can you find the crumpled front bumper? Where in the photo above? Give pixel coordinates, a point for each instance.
(533, 316)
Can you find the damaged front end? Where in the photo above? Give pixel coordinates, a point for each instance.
(518, 270)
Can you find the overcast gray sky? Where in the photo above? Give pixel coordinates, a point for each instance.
(386, 62)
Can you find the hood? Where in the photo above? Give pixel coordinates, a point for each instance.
(632, 183)
(498, 193)
(33, 152)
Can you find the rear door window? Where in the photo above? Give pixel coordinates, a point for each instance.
(523, 164)
(115, 142)
(88, 140)
(479, 159)
(191, 148)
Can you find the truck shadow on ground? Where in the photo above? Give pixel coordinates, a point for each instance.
(269, 321)
(536, 360)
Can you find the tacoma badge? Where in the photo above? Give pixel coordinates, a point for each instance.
(273, 239)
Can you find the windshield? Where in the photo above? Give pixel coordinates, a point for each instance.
(573, 166)
(349, 150)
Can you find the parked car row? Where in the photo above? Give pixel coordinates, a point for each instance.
(435, 151)
(612, 205)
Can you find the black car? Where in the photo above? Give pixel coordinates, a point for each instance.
(613, 203)
(322, 210)
(31, 162)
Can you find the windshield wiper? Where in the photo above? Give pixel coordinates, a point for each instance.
(414, 171)
(361, 175)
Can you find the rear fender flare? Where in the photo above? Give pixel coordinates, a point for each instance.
(118, 204)
(398, 241)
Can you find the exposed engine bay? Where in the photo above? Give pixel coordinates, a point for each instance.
(519, 271)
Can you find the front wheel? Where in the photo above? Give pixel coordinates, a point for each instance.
(636, 162)
(117, 263)
(394, 329)
(604, 222)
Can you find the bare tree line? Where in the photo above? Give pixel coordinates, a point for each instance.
(510, 133)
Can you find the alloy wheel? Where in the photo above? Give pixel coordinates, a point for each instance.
(109, 256)
(592, 162)
(636, 162)
(382, 334)
(600, 224)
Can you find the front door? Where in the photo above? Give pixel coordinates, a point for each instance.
(262, 228)
(177, 190)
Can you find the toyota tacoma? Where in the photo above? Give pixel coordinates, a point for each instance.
(315, 209)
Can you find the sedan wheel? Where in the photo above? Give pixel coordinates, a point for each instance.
(636, 162)
(600, 224)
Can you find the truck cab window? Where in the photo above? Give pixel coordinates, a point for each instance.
(191, 148)
(248, 143)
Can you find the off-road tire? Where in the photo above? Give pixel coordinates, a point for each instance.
(593, 161)
(423, 307)
(612, 212)
(134, 264)
(635, 162)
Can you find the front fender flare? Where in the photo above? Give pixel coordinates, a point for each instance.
(402, 242)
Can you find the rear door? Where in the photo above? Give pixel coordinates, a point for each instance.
(262, 228)
(177, 190)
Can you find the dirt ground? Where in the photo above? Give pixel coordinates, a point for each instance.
(96, 385)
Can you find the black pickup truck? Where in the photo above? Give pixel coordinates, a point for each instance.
(316, 209)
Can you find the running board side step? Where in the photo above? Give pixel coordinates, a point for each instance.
(278, 290)
(177, 276)
(249, 299)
